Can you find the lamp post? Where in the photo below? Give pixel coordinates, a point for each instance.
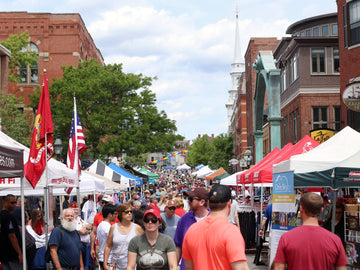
(58, 147)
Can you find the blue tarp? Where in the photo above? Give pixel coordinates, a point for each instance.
(126, 174)
(168, 167)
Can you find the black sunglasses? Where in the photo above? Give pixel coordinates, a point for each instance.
(127, 211)
(153, 220)
(13, 202)
(172, 208)
(191, 199)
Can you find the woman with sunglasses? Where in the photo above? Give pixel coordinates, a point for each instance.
(152, 249)
(119, 237)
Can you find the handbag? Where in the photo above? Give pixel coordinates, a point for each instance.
(112, 265)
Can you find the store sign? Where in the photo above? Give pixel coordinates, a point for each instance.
(322, 134)
(351, 97)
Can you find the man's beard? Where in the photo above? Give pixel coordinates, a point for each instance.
(68, 225)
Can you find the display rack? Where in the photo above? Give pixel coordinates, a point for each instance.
(352, 236)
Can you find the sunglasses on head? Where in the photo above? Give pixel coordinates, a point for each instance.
(191, 199)
(127, 211)
(172, 208)
(153, 220)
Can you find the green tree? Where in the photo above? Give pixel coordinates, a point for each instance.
(214, 152)
(222, 152)
(19, 57)
(14, 123)
(200, 151)
(117, 110)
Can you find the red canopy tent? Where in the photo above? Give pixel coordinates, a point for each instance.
(244, 177)
(263, 174)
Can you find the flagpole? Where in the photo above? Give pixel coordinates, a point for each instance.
(77, 158)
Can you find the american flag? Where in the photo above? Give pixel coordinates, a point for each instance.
(76, 141)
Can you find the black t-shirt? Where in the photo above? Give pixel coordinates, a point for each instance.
(8, 225)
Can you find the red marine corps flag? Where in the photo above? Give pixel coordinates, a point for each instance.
(42, 134)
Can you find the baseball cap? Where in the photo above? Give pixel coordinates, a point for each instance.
(219, 194)
(200, 193)
(107, 198)
(154, 212)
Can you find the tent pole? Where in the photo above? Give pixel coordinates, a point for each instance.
(261, 202)
(23, 223)
(333, 212)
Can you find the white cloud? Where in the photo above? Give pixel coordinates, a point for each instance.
(188, 45)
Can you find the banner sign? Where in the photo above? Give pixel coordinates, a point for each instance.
(11, 162)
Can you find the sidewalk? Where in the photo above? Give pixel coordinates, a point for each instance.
(252, 266)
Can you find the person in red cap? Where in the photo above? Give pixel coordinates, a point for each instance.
(152, 249)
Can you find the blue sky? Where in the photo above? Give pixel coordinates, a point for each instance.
(188, 45)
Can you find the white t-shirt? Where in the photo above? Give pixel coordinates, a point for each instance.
(234, 207)
(102, 233)
(84, 238)
(89, 211)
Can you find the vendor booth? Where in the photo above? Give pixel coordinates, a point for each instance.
(334, 164)
(126, 174)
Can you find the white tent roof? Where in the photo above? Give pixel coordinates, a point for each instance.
(336, 149)
(183, 167)
(58, 174)
(231, 179)
(204, 171)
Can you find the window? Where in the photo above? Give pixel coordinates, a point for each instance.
(308, 33)
(284, 79)
(294, 67)
(316, 31)
(334, 29)
(320, 117)
(352, 23)
(302, 34)
(325, 30)
(336, 62)
(318, 60)
(337, 117)
(29, 74)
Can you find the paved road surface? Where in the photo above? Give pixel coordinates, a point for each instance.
(252, 266)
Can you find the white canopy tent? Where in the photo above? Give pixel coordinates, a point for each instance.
(204, 171)
(58, 174)
(183, 167)
(342, 145)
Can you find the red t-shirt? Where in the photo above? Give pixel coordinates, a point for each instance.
(213, 243)
(99, 217)
(179, 211)
(312, 248)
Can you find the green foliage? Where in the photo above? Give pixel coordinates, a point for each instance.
(200, 151)
(15, 43)
(222, 152)
(117, 110)
(14, 123)
(215, 152)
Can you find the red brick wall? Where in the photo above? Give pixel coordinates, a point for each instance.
(62, 36)
(349, 60)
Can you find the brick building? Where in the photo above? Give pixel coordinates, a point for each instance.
(349, 41)
(4, 67)
(58, 39)
(309, 64)
(255, 45)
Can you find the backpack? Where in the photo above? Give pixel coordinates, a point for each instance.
(48, 258)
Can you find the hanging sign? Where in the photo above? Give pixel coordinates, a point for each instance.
(351, 97)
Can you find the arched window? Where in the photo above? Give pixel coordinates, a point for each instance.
(30, 73)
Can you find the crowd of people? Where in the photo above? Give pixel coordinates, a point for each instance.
(172, 225)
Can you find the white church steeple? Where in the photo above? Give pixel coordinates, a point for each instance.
(237, 68)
